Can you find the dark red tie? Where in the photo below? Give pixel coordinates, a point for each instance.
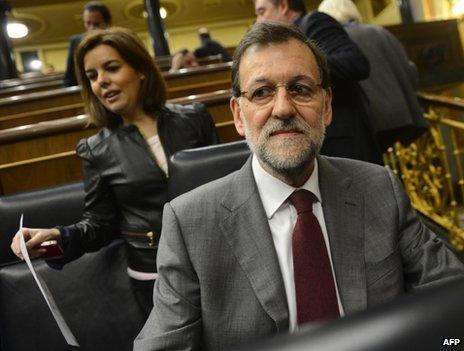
(314, 282)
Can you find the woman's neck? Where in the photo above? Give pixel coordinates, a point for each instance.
(146, 124)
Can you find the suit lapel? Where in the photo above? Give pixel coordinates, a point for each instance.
(343, 209)
(247, 232)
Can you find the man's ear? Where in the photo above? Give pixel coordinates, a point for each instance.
(284, 6)
(237, 113)
(327, 112)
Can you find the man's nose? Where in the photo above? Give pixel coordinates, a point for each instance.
(283, 104)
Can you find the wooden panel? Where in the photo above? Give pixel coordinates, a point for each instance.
(66, 102)
(36, 116)
(199, 88)
(44, 83)
(187, 76)
(50, 137)
(9, 83)
(63, 167)
(39, 100)
(227, 132)
(435, 48)
(47, 145)
(43, 154)
(39, 173)
(31, 88)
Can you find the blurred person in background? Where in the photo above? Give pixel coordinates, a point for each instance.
(210, 47)
(183, 59)
(389, 94)
(95, 16)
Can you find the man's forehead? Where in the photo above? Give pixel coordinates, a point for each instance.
(293, 57)
(298, 49)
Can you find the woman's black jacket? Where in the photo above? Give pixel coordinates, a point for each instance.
(125, 190)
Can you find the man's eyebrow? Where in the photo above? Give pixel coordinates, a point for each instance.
(302, 77)
(293, 79)
(261, 80)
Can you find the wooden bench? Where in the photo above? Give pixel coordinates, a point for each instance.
(43, 154)
(31, 88)
(25, 80)
(44, 83)
(65, 102)
(164, 63)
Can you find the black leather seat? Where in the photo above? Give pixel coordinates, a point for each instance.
(93, 292)
(420, 321)
(43, 208)
(189, 169)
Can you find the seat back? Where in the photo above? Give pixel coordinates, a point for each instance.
(426, 321)
(93, 293)
(191, 168)
(43, 208)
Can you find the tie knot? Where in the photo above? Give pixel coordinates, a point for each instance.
(302, 200)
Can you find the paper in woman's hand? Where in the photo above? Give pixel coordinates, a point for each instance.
(68, 335)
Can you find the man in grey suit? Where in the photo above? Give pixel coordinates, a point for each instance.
(228, 266)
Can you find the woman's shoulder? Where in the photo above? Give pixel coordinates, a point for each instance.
(86, 147)
(194, 108)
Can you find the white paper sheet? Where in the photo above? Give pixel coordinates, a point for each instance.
(68, 335)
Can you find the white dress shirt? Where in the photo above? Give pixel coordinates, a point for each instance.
(282, 217)
(155, 144)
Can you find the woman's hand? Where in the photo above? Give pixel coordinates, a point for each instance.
(33, 238)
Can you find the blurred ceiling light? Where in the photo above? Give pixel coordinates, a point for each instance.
(17, 30)
(35, 65)
(458, 8)
(163, 12)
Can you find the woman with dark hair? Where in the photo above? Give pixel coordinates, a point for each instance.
(125, 164)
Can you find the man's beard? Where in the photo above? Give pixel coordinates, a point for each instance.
(288, 156)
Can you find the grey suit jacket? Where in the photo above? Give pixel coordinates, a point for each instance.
(219, 279)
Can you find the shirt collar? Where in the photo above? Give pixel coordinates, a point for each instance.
(274, 192)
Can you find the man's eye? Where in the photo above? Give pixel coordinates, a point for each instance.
(262, 93)
(301, 90)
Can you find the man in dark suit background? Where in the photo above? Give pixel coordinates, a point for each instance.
(95, 16)
(238, 259)
(348, 135)
(210, 47)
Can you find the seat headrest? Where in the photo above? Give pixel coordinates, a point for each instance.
(44, 208)
(191, 168)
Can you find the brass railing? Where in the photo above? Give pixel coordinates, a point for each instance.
(431, 168)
